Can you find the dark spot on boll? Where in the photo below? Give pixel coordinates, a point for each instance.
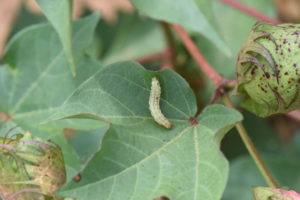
(253, 71)
(267, 75)
(286, 73)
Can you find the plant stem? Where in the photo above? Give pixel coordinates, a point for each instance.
(251, 148)
(211, 73)
(217, 79)
(250, 11)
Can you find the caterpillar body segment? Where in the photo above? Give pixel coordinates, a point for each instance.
(154, 106)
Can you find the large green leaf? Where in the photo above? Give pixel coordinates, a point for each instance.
(140, 159)
(194, 15)
(59, 13)
(35, 81)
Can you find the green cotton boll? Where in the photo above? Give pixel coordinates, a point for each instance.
(268, 69)
(29, 162)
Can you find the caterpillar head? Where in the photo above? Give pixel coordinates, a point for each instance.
(268, 69)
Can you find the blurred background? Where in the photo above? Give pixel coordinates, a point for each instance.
(124, 34)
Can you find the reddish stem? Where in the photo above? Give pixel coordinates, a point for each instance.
(250, 11)
(212, 74)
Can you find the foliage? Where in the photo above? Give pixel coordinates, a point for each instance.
(72, 82)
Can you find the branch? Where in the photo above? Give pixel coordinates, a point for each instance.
(250, 11)
(212, 74)
(251, 148)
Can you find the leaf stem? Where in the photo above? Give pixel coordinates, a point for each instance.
(251, 148)
(250, 11)
(217, 79)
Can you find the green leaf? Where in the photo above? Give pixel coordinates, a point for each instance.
(144, 38)
(140, 159)
(59, 14)
(244, 175)
(84, 135)
(194, 15)
(119, 93)
(234, 33)
(35, 81)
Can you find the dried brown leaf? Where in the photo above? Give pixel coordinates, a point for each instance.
(109, 9)
(8, 12)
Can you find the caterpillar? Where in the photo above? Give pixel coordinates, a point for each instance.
(154, 104)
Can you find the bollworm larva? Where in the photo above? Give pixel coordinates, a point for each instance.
(154, 104)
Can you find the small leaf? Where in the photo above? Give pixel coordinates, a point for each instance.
(59, 13)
